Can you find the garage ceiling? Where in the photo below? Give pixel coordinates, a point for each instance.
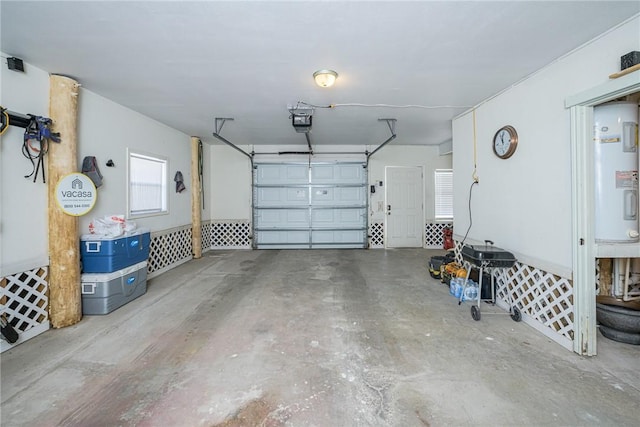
(185, 63)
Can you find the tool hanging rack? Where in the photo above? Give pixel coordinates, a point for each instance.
(37, 136)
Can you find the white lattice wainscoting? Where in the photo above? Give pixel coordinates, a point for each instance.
(231, 235)
(206, 236)
(24, 302)
(168, 249)
(545, 299)
(376, 235)
(433, 238)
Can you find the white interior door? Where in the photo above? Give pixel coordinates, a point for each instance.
(404, 207)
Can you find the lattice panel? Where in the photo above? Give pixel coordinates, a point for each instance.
(23, 298)
(433, 237)
(206, 236)
(542, 296)
(376, 231)
(457, 251)
(231, 235)
(170, 248)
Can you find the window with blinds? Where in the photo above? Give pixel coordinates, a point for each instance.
(443, 193)
(147, 185)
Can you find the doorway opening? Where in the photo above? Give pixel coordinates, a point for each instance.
(584, 247)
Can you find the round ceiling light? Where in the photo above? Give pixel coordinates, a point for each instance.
(325, 78)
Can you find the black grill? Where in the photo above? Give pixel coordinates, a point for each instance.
(488, 256)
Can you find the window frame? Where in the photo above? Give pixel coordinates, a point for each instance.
(164, 210)
(438, 174)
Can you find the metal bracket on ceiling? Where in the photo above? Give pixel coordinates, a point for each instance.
(220, 122)
(391, 123)
(392, 127)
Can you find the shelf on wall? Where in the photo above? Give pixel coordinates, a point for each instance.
(617, 250)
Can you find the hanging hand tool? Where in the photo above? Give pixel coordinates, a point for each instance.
(38, 131)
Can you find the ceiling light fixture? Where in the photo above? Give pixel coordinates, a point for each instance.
(325, 78)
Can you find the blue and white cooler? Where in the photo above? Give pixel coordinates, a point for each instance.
(114, 270)
(101, 254)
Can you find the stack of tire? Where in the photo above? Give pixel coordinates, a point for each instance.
(619, 320)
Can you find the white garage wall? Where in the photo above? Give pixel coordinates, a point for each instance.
(427, 157)
(105, 130)
(23, 203)
(230, 184)
(524, 203)
(231, 178)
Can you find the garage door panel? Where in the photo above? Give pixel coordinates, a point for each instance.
(342, 173)
(282, 237)
(337, 238)
(282, 197)
(282, 218)
(338, 196)
(277, 174)
(337, 218)
(310, 206)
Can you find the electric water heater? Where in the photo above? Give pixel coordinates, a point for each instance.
(616, 172)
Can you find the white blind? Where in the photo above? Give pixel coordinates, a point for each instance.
(444, 194)
(147, 184)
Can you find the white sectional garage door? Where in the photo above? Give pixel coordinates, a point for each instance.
(317, 205)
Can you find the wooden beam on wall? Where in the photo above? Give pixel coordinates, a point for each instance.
(65, 298)
(196, 199)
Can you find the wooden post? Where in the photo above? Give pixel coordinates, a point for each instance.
(196, 199)
(65, 298)
(606, 271)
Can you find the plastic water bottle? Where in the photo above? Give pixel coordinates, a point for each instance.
(471, 293)
(452, 286)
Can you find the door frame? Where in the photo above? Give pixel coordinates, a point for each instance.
(386, 202)
(584, 248)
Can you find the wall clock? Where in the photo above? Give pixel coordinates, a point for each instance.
(505, 142)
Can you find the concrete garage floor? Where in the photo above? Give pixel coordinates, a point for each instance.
(311, 338)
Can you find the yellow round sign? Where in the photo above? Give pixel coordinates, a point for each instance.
(76, 194)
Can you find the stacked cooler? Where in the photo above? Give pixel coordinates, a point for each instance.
(114, 270)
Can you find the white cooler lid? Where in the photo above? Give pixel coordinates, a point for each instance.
(106, 277)
(90, 237)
